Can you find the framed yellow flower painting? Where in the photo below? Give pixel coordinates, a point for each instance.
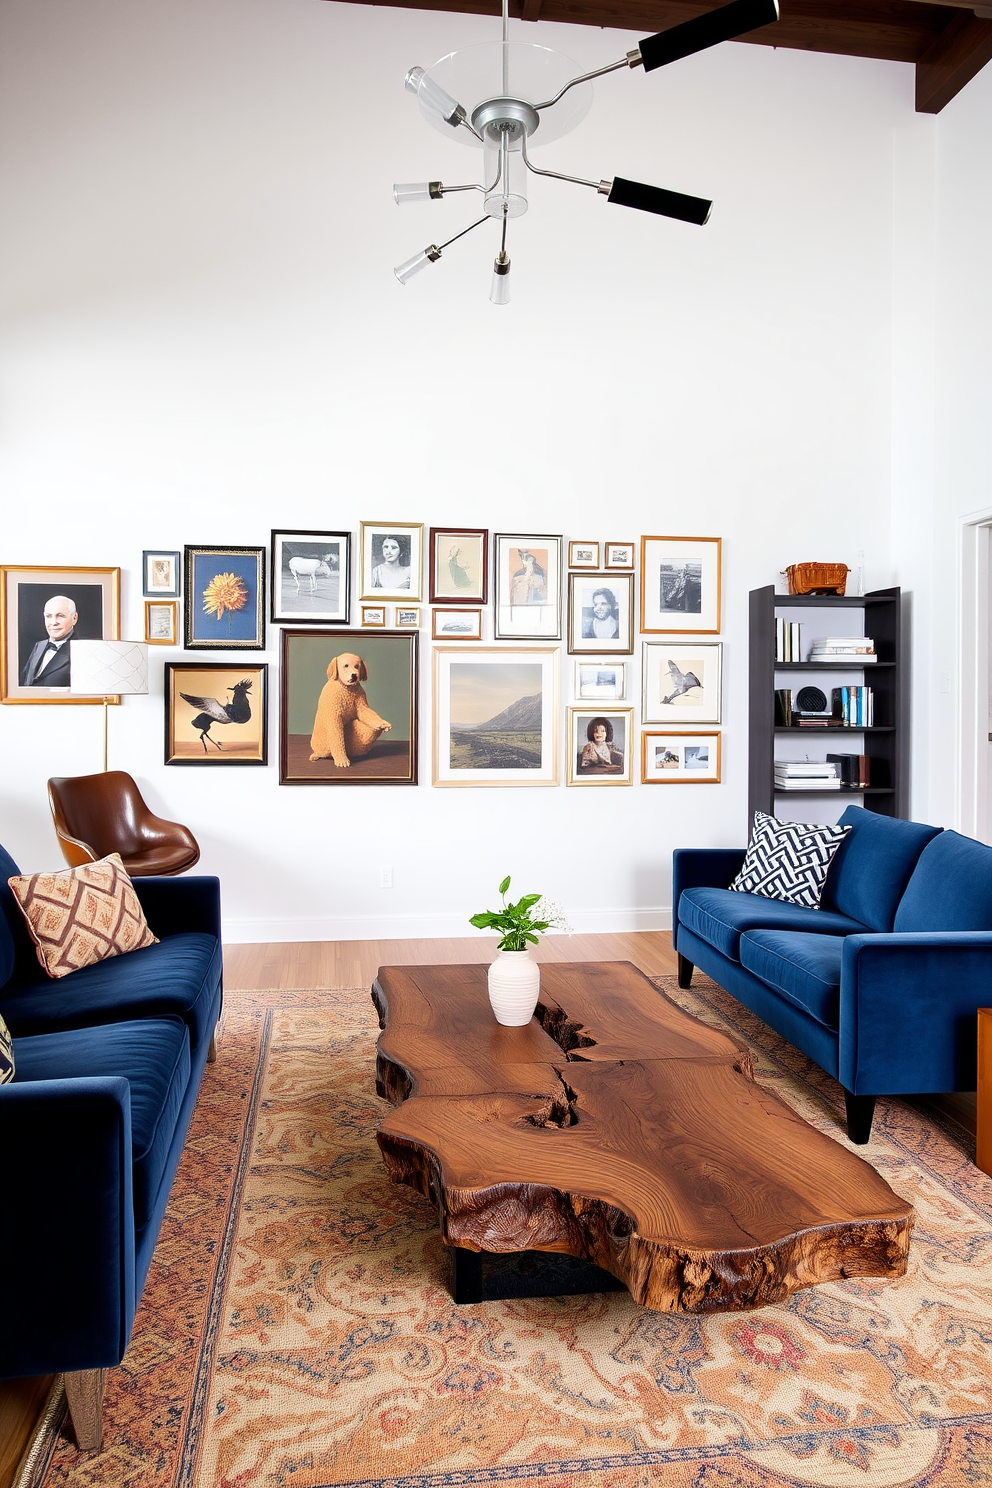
(224, 601)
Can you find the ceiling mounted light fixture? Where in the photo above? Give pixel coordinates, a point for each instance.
(497, 83)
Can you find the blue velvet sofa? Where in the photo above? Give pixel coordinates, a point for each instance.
(108, 1062)
(881, 984)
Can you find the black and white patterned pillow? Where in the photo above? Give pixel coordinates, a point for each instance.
(6, 1055)
(788, 860)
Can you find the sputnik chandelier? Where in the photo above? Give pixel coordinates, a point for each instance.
(498, 83)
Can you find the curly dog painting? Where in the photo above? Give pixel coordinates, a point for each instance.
(345, 725)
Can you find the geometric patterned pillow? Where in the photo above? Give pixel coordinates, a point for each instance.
(788, 860)
(82, 915)
(6, 1055)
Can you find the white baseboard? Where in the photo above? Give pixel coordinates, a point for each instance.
(422, 927)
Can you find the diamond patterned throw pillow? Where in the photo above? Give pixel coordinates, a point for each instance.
(788, 860)
(82, 915)
(6, 1055)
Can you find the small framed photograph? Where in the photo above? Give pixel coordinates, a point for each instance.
(528, 588)
(583, 555)
(602, 680)
(496, 716)
(42, 609)
(216, 714)
(680, 759)
(224, 600)
(456, 625)
(404, 619)
(162, 622)
(459, 565)
(373, 617)
(600, 750)
(680, 585)
(682, 682)
(160, 575)
(348, 708)
(601, 613)
(310, 577)
(618, 555)
(392, 560)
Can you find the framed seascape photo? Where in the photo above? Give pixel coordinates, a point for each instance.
(348, 708)
(496, 716)
(392, 560)
(600, 746)
(583, 555)
(405, 619)
(373, 617)
(224, 600)
(459, 565)
(310, 577)
(680, 759)
(42, 609)
(605, 680)
(160, 575)
(162, 622)
(601, 612)
(680, 584)
(216, 714)
(618, 555)
(456, 625)
(681, 682)
(528, 588)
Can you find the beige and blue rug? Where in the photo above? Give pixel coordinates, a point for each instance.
(297, 1327)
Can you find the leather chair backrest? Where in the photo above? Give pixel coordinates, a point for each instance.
(103, 811)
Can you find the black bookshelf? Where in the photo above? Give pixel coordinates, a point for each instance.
(885, 742)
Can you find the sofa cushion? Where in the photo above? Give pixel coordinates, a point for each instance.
(152, 1056)
(788, 860)
(872, 866)
(804, 968)
(179, 976)
(720, 916)
(951, 887)
(83, 915)
(6, 1055)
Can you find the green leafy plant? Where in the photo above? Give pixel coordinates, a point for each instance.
(520, 924)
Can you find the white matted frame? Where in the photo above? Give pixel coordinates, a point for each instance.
(392, 560)
(458, 559)
(456, 625)
(495, 716)
(406, 618)
(680, 759)
(30, 672)
(682, 682)
(528, 587)
(373, 617)
(600, 613)
(161, 574)
(600, 746)
(619, 555)
(601, 681)
(310, 577)
(680, 585)
(583, 554)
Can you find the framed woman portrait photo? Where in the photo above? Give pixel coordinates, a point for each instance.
(528, 588)
(600, 746)
(680, 585)
(601, 613)
(459, 565)
(392, 560)
(682, 682)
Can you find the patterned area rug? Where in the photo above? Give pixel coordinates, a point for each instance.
(297, 1328)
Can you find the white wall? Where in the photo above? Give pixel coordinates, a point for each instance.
(203, 340)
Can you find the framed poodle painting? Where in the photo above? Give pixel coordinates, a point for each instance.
(348, 708)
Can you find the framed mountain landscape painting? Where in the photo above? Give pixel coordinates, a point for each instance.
(496, 716)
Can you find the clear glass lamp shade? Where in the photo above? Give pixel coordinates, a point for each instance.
(434, 101)
(411, 191)
(411, 266)
(511, 183)
(475, 74)
(499, 294)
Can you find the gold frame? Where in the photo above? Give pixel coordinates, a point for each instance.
(626, 777)
(61, 577)
(691, 627)
(550, 659)
(162, 604)
(415, 531)
(619, 567)
(446, 614)
(577, 542)
(683, 779)
(368, 624)
(398, 624)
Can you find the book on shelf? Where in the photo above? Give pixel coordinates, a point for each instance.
(853, 707)
(824, 783)
(788, 640)
(854, 769)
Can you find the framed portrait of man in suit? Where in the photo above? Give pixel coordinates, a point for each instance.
(42, 610)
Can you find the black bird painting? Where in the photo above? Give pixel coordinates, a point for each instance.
(684, 682)
(238, 710)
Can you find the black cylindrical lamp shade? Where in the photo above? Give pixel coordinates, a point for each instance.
(656, 199)
(723, 24)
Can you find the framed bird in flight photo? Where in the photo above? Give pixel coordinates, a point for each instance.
(216, 714)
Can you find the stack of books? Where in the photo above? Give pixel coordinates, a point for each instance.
(854, 769)
(806, 775)
(854, 707)
(788, 640)
(838, 649)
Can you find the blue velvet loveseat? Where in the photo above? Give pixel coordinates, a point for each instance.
(881, 983)
(108, 1062)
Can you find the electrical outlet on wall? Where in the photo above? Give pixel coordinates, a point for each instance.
(385, 878)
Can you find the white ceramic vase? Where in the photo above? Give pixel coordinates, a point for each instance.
(514, 986)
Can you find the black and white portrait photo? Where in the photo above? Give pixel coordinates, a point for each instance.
(44, 611)
(600, 612)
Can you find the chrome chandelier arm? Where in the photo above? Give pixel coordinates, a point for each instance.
(461, 234)
(632, 59)
(558, 176)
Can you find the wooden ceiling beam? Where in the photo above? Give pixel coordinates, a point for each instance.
(959, 53)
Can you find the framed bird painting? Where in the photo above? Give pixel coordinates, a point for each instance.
(216, 714)
(682, 682)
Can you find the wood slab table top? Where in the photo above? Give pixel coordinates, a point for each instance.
(616, 1128)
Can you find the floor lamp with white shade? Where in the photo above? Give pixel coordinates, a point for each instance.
(108, 669)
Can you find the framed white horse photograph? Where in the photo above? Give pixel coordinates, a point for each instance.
(311, 577)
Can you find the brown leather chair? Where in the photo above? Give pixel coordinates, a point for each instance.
(99, 814)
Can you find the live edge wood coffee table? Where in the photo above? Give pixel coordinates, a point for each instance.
(615, 1128)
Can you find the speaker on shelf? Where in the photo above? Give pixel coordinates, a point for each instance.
(810, 702)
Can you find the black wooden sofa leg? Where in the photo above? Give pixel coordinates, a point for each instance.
(860, 1110)
(686, 969)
